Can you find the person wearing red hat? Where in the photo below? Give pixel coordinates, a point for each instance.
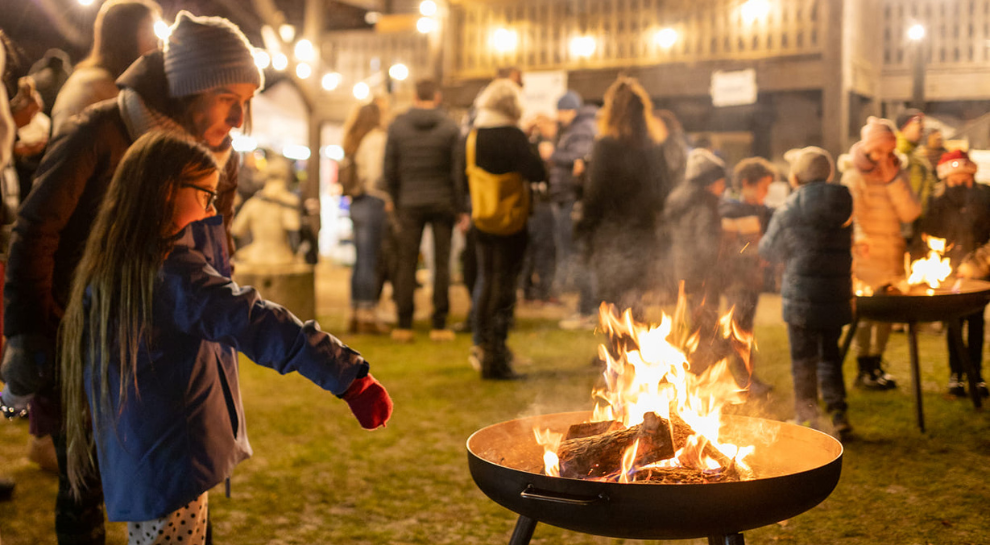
(959, 212)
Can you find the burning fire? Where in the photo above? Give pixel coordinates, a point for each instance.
(931, 270)
(652, 374)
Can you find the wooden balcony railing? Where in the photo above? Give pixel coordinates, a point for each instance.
(625, 32)
(957, 33)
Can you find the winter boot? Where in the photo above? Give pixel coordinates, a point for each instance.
(872, 376)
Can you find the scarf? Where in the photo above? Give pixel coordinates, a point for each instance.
(141, 119)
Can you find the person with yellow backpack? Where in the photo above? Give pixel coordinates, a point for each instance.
(499, 164)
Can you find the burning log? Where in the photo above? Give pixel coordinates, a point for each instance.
(600, 455)
(682, 430)
(684, 475)
(588, 429)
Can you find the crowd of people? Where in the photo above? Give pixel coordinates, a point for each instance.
(122, 219)
(633, 211)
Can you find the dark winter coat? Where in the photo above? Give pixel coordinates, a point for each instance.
(812, 234)
(420, 160)
(961, 216)
(743, 225)
(625, 190)
(181, 429)
(692, 219)
(54, 222)
(574, 142)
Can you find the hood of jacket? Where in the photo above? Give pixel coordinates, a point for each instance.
(825, 204)
(209, 237)
(146, 76)
(685, 197)
(424, 119)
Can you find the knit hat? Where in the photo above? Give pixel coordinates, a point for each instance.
(908, 116)
(877, 132)
(810, 164)
(955, 162)
(703, 168)
(570, 101)
(207, 52)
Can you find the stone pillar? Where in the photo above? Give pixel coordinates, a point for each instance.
(835, 91)
(291, 285)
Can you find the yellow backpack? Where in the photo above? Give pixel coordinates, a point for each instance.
(499, 202)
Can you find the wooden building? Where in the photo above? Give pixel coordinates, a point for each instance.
(821, 66)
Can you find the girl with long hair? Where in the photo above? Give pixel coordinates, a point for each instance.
(148, 346)
(364, 147)
(627, 184)
(123, 31)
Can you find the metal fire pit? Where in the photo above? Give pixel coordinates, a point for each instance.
(796, 469)
(945, 304)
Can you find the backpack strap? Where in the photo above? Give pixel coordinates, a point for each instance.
(472, 144)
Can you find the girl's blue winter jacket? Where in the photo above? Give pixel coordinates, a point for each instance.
(181, 428)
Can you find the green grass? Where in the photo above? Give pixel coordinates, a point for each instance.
(316, 477)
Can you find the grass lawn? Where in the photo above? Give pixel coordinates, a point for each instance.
(316, 477)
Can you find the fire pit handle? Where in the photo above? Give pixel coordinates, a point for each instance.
(532, 493)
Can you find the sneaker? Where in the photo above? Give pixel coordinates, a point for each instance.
(400, 335)
(475, 356)
(956, 386)
(442, 335)
(840, 424)
(876, 380)
(981, 387)
(576, 322)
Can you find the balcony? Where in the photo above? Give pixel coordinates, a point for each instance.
(602, 34)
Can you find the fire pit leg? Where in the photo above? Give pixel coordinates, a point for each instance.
(523, 532)
(955, 335)
(916, 373)
(847, 342)
(733, 539)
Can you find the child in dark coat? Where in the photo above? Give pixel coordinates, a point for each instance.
(959, 212)
(744, 220)
(691, 215)
(812, 234)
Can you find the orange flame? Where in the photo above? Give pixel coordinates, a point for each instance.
(651, 373)
(934, 268)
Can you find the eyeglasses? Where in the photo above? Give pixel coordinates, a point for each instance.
(213, 195)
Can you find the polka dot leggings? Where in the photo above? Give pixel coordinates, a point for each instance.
(187, 526)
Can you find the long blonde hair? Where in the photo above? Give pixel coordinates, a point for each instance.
(628, 116)
(110, 305)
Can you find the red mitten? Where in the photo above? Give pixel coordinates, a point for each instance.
(369, 402)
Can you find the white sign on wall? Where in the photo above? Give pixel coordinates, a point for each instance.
(736, 88)
(982, 160)
(541, 90)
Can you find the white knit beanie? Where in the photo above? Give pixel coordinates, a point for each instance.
(207, 52)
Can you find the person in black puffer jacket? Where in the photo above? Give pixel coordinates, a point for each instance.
(419, 172)
(812, 234)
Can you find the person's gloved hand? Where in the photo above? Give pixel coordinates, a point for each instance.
(28, 364)
(13, 406)
(369, 402)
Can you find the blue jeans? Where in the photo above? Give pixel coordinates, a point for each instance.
(815, 361)
(563, 240)
(368, 216)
